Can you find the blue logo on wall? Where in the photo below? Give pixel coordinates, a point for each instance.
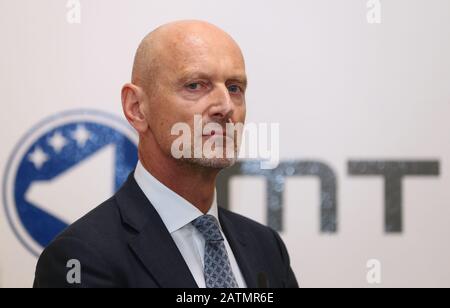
(64, 167)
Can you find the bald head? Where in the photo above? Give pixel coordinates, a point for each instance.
(173, 45)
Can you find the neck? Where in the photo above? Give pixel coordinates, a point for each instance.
(194, 183)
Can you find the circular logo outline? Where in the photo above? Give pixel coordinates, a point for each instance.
(20, 148)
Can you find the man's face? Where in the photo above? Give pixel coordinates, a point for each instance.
(198, 76)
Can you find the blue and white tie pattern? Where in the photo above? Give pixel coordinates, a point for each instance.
(217, 269)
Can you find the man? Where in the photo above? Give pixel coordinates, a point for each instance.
(163, 228)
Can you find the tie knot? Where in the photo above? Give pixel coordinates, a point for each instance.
(208, 226)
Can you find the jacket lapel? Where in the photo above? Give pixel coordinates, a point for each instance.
(152, 244)
(240, 243)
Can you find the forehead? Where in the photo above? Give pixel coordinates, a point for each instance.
(210, 54)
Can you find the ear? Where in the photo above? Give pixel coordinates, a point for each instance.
(133, 100)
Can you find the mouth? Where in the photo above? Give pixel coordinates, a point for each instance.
(214, 134)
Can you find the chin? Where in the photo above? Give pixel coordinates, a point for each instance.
(214, 163)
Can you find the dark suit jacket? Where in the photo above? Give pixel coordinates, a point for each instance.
(124, 243)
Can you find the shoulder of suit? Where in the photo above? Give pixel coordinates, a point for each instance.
(99, 223)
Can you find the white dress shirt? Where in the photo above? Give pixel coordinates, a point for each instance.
(177, 214)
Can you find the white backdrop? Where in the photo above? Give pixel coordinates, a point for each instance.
(341, 88)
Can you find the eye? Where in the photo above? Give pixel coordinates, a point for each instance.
(194, 86)
(234, 89)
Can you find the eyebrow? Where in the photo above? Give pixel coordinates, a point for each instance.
(185, 76)
(242, 79)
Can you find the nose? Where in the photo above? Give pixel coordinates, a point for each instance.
(222, 106)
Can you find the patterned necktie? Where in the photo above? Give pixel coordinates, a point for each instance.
(218, 273)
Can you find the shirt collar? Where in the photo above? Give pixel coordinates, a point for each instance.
(175, 211)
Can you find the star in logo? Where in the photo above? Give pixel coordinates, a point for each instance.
(38, 158)
(57, 142)
(81, 135)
